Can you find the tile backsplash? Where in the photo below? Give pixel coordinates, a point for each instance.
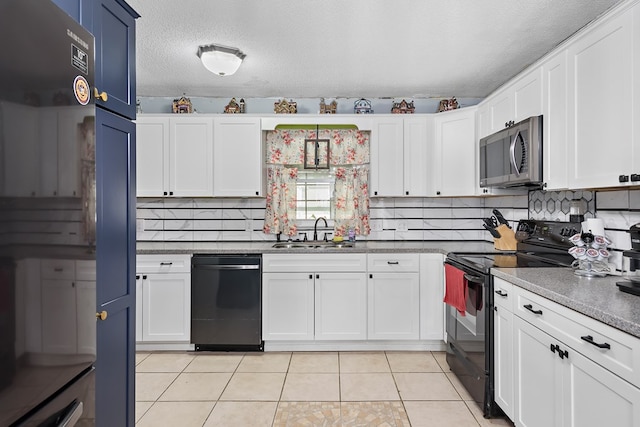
(458, 218)
(211, 220)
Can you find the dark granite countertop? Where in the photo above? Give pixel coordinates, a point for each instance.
(595, 297)
(435, 246)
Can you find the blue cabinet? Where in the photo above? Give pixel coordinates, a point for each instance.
(80, 10)
(115, 290)
(113, 27)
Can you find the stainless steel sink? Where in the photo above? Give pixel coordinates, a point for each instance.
(317, 244)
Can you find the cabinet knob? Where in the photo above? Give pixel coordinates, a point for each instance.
(635, 177)
(375, 193)
(406, 192)
(100, 95)
(437, 193)
(317, 276)
(102, 315)
(257, 193)
(623, 178)
(165, 193)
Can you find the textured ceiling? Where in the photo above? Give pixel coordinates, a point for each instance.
(355, 48)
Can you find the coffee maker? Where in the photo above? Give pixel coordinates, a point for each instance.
(631, 263)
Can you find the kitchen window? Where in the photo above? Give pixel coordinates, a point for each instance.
(314, 194)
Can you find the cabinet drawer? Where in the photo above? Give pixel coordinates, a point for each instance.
(316, 263)
(390, 263)
(86, 270)
(503, 294)
(163, 263)
(58, 269)
(622, 357)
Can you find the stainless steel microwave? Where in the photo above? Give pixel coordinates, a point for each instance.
(513, 156)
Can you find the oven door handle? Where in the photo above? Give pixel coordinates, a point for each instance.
(474, 279)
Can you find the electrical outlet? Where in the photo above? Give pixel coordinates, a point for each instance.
(402, 226)
(140, 225)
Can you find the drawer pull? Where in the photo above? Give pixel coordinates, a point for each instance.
(393, 262)
(501, 293)
(58, 269)
(530, 308)
(166, 263)
(589, 339)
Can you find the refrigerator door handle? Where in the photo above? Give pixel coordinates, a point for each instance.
(73, 416)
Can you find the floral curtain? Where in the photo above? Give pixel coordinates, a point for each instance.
(349, 155)
(352, 200)
(348, 146)
(280, 215)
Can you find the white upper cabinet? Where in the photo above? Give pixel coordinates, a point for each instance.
(554, 122)
(237, 156)
(174, 156)
(21, 160)
(602, 150)
(387, 157)
(516, 101)
(59, 137)
(399, 155)
(453, 164)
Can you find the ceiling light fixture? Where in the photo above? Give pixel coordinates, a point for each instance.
(221, 60)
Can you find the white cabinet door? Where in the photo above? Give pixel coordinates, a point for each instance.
(431, 297)
(21, 159)
(596, 397)
(191, 157)
(387, 157)
(501, 106)
(59, 327)
(555, 142)
(527, 95)
(418, 142)
(454, 164)
(340, 306)
(503, 358)
(601, 107)
(237, 157)
(86, 312)
(287, 306)
(152, 161)
(483, 120)
(166, 307)
(139, 307)
(394, 306)
(538, 377)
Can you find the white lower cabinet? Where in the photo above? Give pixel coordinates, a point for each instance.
(431, 297)
(340, 306)
(561, 376)
(394, 296)
(503, 345)
(163, 299)
(287, 306)
(327, 302)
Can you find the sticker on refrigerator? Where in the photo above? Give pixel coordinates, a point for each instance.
(81, 90)
(79, 59)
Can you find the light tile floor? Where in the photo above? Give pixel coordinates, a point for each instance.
(302, 389)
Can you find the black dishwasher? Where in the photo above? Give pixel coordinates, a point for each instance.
(226, 302)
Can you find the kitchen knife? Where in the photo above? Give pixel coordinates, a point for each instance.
(493, 231)
(491, 222)
(500, 218)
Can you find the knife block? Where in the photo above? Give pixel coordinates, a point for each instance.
(507, 240)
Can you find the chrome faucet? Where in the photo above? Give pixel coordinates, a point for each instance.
(315, 227)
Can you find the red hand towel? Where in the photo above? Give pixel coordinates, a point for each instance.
(455, 288)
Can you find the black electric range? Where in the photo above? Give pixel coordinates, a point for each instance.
(470, 335)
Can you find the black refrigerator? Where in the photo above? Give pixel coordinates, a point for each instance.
(47, 217)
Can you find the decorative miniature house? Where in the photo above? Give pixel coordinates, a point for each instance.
(403, 107)
(331, 108)
(285, 107)
(362, 106)
(448, 104)
(182, 105)
(232, 107)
